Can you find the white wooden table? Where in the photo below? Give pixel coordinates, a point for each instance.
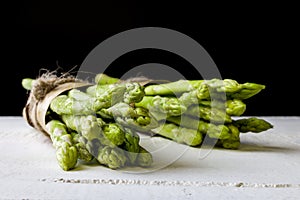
(267, 166)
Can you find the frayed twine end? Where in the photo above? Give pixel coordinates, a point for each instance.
(48, 81)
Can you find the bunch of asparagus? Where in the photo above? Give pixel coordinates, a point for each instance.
(100, 124)
(187, 111)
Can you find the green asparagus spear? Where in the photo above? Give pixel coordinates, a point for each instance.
(171, 106)
(246, 91)
(114, 133)
(131, 145)
(94, 89)
(64, 104)
(143, 117)
(134, 93)
(66, 152)
(129, 92)
(226, 85)
(144, 158)
(108, 94)
(172, 88)
(80, 144)
(103, 79)
(78, 95)
(252, 124)
(190, 98)
(218, 89)
(178, 134)
(233, 89)
(233, 142)
(127, 116)
(234, 107)
(204, 91)
(87, 126)
(209, 114)
(27, 83)
(212, 130)
(86, 100)
(185, 86)
(132, 123)
(113, 157)
(118, 110)
(66, 156)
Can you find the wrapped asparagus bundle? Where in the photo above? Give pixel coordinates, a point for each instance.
(101, 122)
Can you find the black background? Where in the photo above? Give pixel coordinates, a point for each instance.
(248, 42)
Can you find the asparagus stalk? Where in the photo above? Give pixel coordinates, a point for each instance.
(246, 91)
(212, 130)
(134, 93)
(252, 124)
(86, 100)
(233, 107)
(183, 86)
(191, 98)
(216, 114)
(66, 152)
(79, 95)
(131, 145)
(218, 89)
(233, 142)
(110, 94)
(103, 79)
(129, 92)
(27, 83)
(80, 144)
(178, 134)
(231, 88)
(94, 89)
(65, 105)
(172, 88)
(127, 116)
(171, 106)
(114, 133)
(210, 114)
(113, 157)
(144, 158)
